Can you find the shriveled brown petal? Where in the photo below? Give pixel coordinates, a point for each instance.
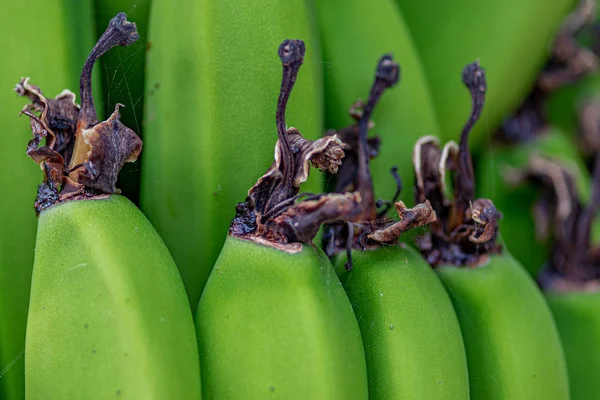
(58, 115)
(420, 215)
(110, 144)
(484, 213)
(325, 153)
(302, 221)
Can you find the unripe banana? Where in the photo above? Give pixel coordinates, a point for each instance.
(54, 65)
(577, 317)
(276, 324)
(509, 37)
(123, 79)
(108, 313)
(512, 344)
(211, 86)
(273, 319)
(410, 333)
(412, 339)
(513, 347)
(355, 34)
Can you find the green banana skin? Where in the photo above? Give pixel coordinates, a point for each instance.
(412, 339)
(576, 315)
(271, 323)
(215, 61)
(108, 314)
(355, 34)
(512, 344)
(123, 79)
(517, 224)
(452, 33)
(55, 67)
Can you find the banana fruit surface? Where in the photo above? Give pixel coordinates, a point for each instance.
(513, 347)
(576, 315)
(276, 324)
(412, 339)
(109, 315)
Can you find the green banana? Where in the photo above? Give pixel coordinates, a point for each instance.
(108, 316)
(209, 59)
(412, 340)
(55, 67)
(273, 319)
(354, 35)
(123, 79)
(576, 315)
(512, 344)
(106, 297)
(513, 347)
(449, 34)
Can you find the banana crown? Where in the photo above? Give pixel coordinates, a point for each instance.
(466, 228)
(370, 227)
(272, 213)
(82, 157)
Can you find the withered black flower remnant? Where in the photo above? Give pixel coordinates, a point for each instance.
(274, 213)
(466, 228)
(369, 228)
(81, 157)
(562, 215)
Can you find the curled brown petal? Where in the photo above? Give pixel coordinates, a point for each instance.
(417, 216)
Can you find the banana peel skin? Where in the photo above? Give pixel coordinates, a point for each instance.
(412, 339)
(513, 347)
(73, 37)
(271, 323)
(354, 35)
(210, 85)
(576, 315)
(511, 341)
(106, 298)
(511, 38)
(109, 315)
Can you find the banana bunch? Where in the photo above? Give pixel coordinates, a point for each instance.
(303, 286)
(107, 302)
(73, 38)
(210, 86)
(288, 330)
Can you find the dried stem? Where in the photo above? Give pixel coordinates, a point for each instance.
(120, 32)
(473, 77)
